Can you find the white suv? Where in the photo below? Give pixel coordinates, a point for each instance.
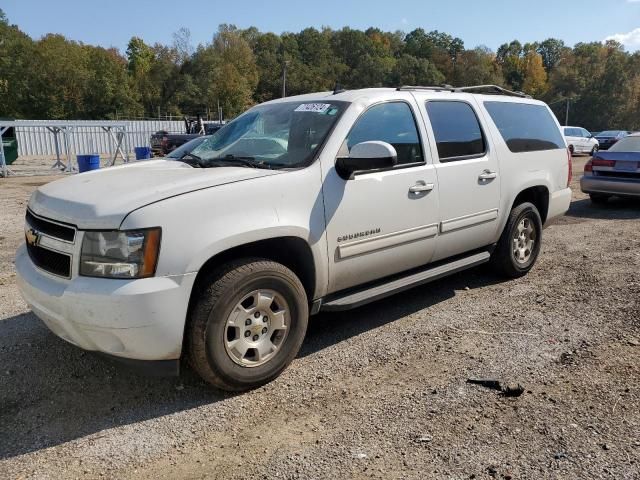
(320, 202)
(580, 141)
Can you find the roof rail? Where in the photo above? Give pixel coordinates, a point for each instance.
(490, 89)
(493, 89)
(441, 88)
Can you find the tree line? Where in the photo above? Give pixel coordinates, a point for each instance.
(56, 78)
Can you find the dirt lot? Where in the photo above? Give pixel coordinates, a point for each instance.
(379, 392)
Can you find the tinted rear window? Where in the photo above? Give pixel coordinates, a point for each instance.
(627, 144)
(525, 127)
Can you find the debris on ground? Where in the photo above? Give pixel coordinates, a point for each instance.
(507, 390)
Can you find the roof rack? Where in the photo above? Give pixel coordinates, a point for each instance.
(489, 89)
(441, 88)
(493, 89)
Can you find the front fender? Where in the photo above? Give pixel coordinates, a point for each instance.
(202, 224)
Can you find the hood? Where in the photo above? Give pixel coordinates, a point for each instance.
(103, 198)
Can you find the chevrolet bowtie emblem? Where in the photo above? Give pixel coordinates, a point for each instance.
(32, 236)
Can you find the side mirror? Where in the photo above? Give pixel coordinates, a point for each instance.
(367, 157)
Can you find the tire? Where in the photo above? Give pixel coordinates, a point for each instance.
(217, 331)
(504, 259)
(599, 198)
(594, 150)
(572, 150)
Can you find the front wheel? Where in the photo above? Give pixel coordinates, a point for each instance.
(519, 244)
(594, 150)
(247, 324)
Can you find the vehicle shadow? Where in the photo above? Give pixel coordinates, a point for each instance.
(327, 329)
(615, 209)
(52, 392)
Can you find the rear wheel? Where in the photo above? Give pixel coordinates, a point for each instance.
(599, 198)
(519, 244)
(572, 150)
(247, 324)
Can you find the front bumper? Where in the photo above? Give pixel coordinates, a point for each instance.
(131, 319)
(610, 186)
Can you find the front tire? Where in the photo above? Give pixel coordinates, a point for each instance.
(247, 324)
(594, 150)
(519, 244)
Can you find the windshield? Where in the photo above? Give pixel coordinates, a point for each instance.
(610, 133)
(182, 150)
(627, 144)
(272, 135)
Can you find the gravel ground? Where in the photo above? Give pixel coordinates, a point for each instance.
(379, 392)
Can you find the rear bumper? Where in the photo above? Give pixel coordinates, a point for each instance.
(559, 203)
(610, 186)
(131, 319)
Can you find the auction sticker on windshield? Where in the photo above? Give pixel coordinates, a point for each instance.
(313, 107)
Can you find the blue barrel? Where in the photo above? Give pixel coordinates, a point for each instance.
(143, 153)
(88, 162)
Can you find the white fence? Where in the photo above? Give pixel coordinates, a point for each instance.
(38, 141)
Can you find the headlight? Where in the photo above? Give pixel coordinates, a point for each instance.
(120, 254)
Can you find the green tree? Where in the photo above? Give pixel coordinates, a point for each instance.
(477, 67)
(17, 52)
(551, 51)
(409, 70)
(509, 57)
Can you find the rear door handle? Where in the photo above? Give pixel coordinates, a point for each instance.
(421, 187)
(487, 175)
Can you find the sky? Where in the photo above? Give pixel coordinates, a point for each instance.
(111, 23)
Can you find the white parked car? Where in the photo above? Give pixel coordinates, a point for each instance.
(580, 141)
(320, 202)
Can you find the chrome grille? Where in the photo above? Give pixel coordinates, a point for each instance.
(50, 244)
(53, 262)
(55, 230)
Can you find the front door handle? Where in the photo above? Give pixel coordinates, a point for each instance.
(421, 188)
(487, 175)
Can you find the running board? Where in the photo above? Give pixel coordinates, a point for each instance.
(383, 290)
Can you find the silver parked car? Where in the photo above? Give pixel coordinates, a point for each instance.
(614, 172)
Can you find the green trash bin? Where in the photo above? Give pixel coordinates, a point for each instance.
(10, 145)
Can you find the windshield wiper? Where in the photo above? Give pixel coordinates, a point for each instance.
(242, 160)
(192, 159)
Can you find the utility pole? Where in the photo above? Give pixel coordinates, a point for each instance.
(284, 78)
(566, 118)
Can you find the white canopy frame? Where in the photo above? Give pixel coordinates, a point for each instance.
(117, 132)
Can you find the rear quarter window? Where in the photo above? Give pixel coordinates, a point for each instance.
(525, 127)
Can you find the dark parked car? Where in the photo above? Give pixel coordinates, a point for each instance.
(614, 172)
(188, 147)
(163, 143)
(610, 137)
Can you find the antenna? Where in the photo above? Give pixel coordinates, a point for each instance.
(338, 89)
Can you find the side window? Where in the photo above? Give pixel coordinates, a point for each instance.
(567, 132)
(457, 130)
(392, 123)
(585, 133)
